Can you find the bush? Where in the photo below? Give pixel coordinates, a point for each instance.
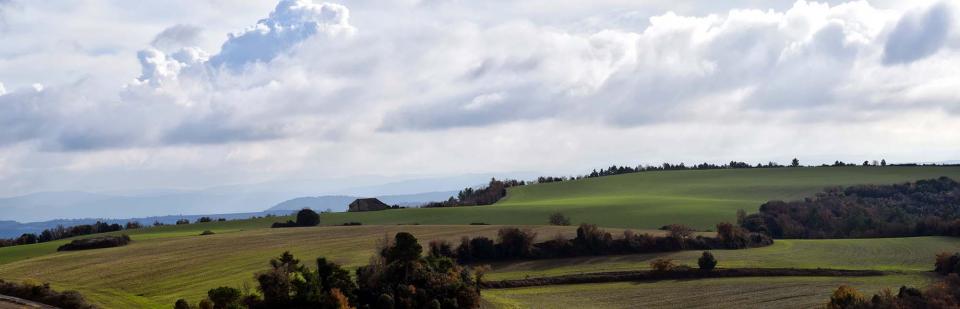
(947, 263)
(183, 221)
(181, 304)
(515, 243)
(706, 261)
(846, 297)
(96, 243)
(440, 248)
(307, 217)
(224, 297)
(558, 218)
(45, 295)
(204, 220)
(662, 264)
(207, 232)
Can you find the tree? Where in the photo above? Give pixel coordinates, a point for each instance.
(679, 231)
(883, 162)
(405, 248)
(224, 297)
(181, 304)
(307, 217)
(706, 261)
(795, 162)
(558, 218)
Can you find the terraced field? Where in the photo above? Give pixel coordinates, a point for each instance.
(773, 292)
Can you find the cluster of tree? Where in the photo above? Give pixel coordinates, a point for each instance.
(61, 232)
(493, 192)
(95, 243)
(45, 295)
(305, 217)
(942, 294)
(617, 170)
(398, 277)
(208, 219)
(922, 208)
(515, 243)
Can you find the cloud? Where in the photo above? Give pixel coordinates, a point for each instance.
(919, 34)
(410, 84)
(177, 36)
(3, 90)
(292, 22)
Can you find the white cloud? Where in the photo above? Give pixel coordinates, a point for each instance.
(3, 90)
(334, 88)
(289, 24)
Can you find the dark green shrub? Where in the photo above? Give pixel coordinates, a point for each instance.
(706, 261)
(224, 297)
(181, 304)
(207, 232)
(307, 217)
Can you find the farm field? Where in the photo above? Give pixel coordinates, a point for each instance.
(649, 200)
(158, 268)
(773, 292)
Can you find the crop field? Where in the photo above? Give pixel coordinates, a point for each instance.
(772, 292)
(650, 200)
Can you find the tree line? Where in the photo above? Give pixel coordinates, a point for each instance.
(399, 276)
(487, 195)
(62, 232)
(514, 243)
(921, 208)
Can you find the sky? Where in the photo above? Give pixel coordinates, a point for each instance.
(104, 95)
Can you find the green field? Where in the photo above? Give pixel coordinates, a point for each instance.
(771, 292)
(170, 262)
(650, 200)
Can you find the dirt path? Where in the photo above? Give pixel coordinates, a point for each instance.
(7, 302)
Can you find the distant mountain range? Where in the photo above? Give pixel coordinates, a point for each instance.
(340, 202)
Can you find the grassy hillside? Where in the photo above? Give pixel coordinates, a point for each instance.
(652, 199)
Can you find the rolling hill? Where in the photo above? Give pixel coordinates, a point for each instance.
(649, 200)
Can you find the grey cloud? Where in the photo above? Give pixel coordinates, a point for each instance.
(918, 35)
(177, 36)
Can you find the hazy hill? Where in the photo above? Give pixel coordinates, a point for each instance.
(340, 202)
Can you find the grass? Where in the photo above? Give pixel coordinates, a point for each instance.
(772, 292)
(652, 199)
